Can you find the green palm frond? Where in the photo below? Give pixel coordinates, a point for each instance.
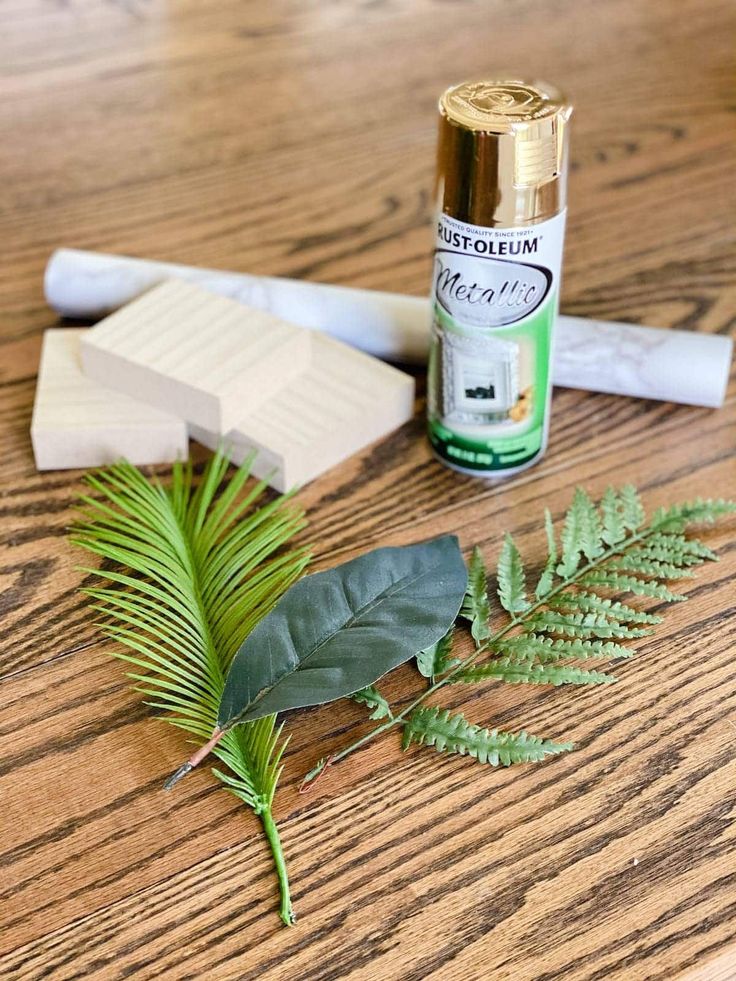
(201, 564)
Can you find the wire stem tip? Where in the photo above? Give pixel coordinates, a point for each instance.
(195, 759)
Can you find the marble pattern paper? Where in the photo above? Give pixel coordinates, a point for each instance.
(623, 359)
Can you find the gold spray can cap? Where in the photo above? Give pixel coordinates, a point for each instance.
(502, 155)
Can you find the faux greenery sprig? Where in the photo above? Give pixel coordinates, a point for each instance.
(204, 566)
(222, 632)
(571, 617)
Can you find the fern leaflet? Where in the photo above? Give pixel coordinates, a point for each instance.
(546, 580)
(528, 647)
(374, 700)
(516, 673)
(438, 658)
(452, 733)
(476, 607)
(511, 578)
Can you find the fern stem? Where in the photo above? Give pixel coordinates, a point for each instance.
(274, 839)
(515, 621)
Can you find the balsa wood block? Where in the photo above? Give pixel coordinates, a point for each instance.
(205, 358)
(79, 423)
(343, 402)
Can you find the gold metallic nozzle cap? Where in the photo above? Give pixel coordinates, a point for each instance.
(503, 151)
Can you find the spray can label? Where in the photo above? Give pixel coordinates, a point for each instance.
(495, 294)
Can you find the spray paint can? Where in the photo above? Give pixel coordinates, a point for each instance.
(501, 195)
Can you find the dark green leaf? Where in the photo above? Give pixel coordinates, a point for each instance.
(338, 631)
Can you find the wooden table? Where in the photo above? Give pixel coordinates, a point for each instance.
(297, 138)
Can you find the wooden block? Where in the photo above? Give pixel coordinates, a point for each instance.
(343, 402)
(205, 358)
(79, 423)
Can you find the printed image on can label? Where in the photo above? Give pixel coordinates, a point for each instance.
(495, 294)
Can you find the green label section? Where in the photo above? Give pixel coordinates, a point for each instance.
(486, 456)
(491, 449)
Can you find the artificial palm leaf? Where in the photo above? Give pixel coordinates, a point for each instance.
(201, 564)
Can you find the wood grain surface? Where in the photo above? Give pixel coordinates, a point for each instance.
(297, 138)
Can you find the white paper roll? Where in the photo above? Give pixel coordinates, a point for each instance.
(598, 356)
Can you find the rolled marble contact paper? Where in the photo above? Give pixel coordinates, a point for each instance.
(598, 356)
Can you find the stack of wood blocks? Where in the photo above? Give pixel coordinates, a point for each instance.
(180, 361)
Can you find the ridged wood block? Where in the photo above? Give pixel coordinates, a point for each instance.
(205, 358)
(342, 403)
(80, 423)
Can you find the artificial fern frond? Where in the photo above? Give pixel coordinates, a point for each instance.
(476, 607)
(452, 733)
(438, 658)
(204, 565)
(511, 578)
(603, 550)
(374, 700)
